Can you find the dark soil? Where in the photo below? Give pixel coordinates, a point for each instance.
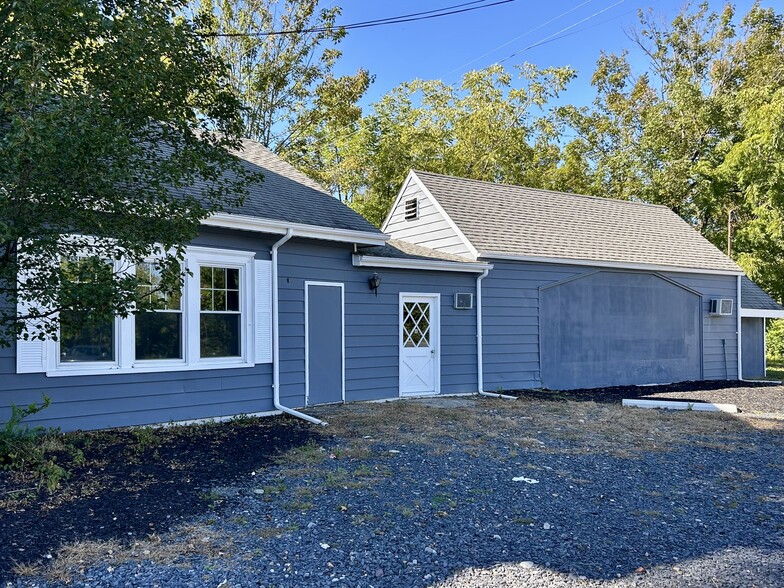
(749, 397)
(131, 483)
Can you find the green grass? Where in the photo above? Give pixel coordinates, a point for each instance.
(775, 368)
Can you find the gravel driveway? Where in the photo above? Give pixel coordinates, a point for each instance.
(479, 492)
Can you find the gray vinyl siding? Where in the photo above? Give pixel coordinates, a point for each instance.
(372, 322)
(510, 316)
(719, 333)
(114, 400)
(430, 229)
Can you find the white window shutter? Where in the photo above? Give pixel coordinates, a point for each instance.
(30, 353)
(263, 311)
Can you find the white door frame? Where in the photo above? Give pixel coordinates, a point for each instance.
(342, 338)
(435, 339)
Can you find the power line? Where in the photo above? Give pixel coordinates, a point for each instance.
(413, 17)
(549, 39)
(533, 30)
(563, 30)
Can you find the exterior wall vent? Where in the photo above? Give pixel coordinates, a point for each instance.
(411, 210)
(721, 306)
(464, 300)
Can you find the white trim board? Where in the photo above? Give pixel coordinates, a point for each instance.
(260, 225)
(601, 263)
(679, 405)
(340, 285)
(758, 313)
(359, 260)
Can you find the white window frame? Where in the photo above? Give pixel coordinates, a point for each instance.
(125, 328)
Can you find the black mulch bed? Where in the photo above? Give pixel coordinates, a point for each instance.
(750, 397)
(134, 482)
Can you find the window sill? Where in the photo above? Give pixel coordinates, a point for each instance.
(149, 368)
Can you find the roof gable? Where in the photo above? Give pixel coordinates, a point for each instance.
(503, 220)
(432, 226)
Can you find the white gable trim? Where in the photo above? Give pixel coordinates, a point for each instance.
(602, 263)
(413, 177)
(760, 313)
(260, 225)
(419, 264)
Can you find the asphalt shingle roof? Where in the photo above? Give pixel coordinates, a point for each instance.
(288, 195)
(404, 250)
(754, 297)
(528, 222)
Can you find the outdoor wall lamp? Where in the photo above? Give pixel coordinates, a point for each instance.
(375, 282)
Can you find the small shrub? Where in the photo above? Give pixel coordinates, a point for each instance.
(25, 449)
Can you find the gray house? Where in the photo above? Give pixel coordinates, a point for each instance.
(278, 313)
(586, 291)
(294, 300)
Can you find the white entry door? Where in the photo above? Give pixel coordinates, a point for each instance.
(419, 341)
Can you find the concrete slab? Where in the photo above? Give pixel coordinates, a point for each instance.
(678, 405)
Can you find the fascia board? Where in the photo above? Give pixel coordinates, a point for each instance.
(610, 264)
(260, 225)
(759, 313)
(419, 264)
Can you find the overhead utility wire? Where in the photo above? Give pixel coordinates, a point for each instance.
(533, 30)
(549, 39)
(417, 16)
(563, 30)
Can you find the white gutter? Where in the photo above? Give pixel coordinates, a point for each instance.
(755, 313)
(260, 225)
(740, 339)
(276, 337)
(609, 264)
(480, 377)
(359, 260)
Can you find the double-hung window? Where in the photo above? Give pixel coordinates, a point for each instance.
(158, 333)
(81, 339)
(219, 317)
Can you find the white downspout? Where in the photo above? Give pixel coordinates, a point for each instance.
(479, 363)
(740, 351)
(276, 337)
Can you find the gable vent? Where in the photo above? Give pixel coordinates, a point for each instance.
(721, 306)
(411, 210)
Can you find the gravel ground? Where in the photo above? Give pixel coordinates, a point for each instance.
(754, 398)
(386, 511)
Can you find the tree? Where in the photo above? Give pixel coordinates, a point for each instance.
(700, 130)
(106, 109)
(285, 81)
(492, 127)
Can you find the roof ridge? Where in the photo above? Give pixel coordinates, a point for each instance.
(544, 190)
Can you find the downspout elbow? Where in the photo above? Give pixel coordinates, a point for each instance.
(276, 337)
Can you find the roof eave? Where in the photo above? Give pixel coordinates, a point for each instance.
(420, 264)
(761, 313)
(261, 225)
(608, 264)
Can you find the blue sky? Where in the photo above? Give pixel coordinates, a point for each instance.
(444, 48)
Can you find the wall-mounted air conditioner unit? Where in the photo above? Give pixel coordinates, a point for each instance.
(464, 300)
(721, 306)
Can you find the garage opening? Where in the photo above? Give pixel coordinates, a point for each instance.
(618, 328)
